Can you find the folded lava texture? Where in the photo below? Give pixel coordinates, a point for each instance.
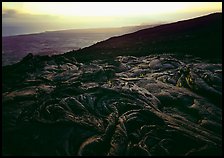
(126, 105)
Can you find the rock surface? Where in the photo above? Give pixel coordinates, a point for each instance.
(151, 105)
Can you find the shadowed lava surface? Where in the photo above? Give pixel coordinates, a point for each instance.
(151, 105)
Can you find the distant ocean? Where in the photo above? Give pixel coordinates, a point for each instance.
(14, 48)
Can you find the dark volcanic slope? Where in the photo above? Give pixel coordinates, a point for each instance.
(121, 105)
(200, 37)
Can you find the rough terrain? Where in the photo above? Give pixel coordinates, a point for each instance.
(150, 105)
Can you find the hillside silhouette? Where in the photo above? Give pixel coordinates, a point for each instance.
(199, 37)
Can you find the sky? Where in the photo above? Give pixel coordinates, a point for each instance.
(31, 17)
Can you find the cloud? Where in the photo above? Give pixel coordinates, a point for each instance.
(9, 13)
(15, 22)
(13, 17)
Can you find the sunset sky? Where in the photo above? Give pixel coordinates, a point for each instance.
(27, 17)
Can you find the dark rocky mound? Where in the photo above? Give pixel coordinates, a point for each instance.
(151, 105)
